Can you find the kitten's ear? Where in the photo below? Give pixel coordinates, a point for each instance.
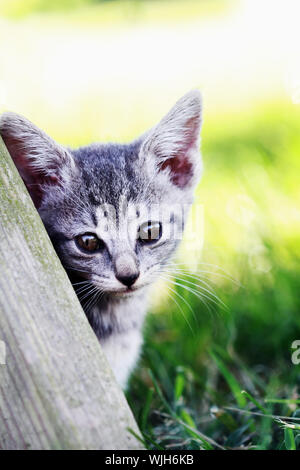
(174, 142)
(40, 160)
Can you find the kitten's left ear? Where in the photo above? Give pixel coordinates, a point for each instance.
(174, 142)
(40, 160)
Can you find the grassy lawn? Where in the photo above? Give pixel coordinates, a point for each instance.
(212, 375)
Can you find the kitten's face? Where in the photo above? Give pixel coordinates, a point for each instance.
(114, 213)
(114, 224)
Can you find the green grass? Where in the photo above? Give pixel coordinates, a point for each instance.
(226, 380)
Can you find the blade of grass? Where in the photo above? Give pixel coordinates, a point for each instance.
(254, 401)
(146, 438)
(173, 415)
(160, 394)
(146, 409)
(179, 385)
(190, 422)
(230, 379)
(247, 412)
(287, 401)
(289, 439)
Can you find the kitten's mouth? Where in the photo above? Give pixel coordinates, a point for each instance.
(128, 292)
(122, 292)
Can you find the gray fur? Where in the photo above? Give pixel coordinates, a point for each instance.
(110, 190)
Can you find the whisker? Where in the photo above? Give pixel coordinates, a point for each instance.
(180, 308)
(98, 298)
(192, 276)
(79, 270)
(83, 289)
(210, 293)
(193, 291)
(82, 282)
(181, 297)
(94, 299)
(225, 274)
(89, 292)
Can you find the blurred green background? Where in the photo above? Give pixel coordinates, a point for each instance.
(87, 70)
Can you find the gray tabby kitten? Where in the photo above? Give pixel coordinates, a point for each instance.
(114, 213)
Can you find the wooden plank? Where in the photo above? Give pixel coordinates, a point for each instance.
(56, 388)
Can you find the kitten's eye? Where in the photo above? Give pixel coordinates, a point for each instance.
(150, 232)
(89, 242)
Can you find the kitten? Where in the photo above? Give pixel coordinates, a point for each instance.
(114, 213)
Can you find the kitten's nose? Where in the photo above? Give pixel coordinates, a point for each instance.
(126, 270)
(128, 279)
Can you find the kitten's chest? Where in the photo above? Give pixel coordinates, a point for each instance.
(119, 330)
(122, 351)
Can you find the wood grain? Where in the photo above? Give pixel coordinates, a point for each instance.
(56, 389)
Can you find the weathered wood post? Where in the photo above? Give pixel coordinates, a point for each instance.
(56, 388)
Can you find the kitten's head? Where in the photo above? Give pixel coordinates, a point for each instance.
(113, 212)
